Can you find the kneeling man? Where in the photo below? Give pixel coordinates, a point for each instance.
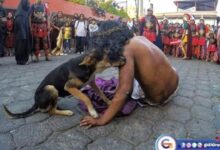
(145, 62)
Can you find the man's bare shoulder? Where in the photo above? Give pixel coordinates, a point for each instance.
(137, 42)
(138, 38)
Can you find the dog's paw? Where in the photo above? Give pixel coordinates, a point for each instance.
(93, 113)
(69, 113)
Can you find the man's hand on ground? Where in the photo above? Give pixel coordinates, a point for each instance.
(90, 122)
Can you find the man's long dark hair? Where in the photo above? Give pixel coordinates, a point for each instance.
(112, 37)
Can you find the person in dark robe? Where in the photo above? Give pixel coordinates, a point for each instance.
(2, 26)
(22, 33)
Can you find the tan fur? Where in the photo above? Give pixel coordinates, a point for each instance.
(77, 93)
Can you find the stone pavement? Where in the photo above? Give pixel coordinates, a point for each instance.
(193, 113)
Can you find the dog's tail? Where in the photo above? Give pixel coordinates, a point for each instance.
(20, 115)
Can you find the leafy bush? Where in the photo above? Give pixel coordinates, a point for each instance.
(111, 9)
(107, 6)
(82, 2)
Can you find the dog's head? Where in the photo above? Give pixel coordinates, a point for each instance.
(103, 61)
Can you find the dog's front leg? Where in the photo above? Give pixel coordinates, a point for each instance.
(77, 93)
(99, 92)
(55, 111)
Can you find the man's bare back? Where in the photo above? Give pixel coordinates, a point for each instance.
(151, 68)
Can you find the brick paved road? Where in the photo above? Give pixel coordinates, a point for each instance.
(193, 113)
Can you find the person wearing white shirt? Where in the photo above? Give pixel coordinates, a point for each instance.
(80, 33)
(93, 27)
(130, 24)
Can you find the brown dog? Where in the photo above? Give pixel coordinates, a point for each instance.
(67, 79)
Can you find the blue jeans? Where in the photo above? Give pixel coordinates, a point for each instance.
(67, 44)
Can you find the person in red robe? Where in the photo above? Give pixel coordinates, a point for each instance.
(201, 29)
(216, 57)
(40, 26)
(212, 46)
(176, 37)
(150, 26)
(194, 37)
(10, 38)
(165, 36)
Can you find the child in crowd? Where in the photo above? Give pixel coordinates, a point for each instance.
(212, 46)
(67, 37)
(93, 27)
(9, 40)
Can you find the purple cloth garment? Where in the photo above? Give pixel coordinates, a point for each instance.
(108, 87)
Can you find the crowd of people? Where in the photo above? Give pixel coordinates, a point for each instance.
(187, 39)
(33, 28)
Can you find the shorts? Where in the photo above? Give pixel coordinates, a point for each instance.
(138, 94)
(163, 102)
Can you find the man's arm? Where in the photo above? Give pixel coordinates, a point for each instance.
(126, 77)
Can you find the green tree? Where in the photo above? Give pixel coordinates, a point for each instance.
(82, 2)
(107, 6)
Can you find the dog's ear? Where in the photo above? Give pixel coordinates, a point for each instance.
(87, 61)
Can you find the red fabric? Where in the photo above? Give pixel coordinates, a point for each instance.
(10, 40)
(9, 25)
(150, 35)
(195, 41)
(212, 48)
(166, 40)
(197, 53)
(175, 42)
(39, 30)
(201, 41)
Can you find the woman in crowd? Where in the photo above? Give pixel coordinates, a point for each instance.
(67, 37)
(22, 33)
(58, 22)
